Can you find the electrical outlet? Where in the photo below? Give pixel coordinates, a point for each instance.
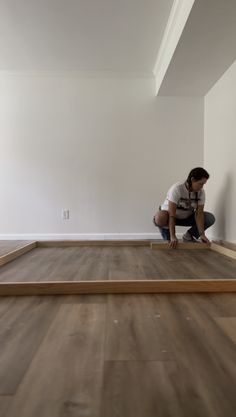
(65, 214)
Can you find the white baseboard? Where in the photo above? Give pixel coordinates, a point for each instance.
(94, 236)
(84, 236)
(81, 236)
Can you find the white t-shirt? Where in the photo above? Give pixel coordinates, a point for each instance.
(186, 201)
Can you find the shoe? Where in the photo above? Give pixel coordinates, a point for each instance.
(187, 237)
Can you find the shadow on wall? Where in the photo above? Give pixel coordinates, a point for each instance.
(222, 208)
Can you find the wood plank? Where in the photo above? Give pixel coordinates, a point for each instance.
(223, 250)
(180, 245)
(141, 388)
(124, 263)
(203, 354)
(126, 339)
(226, 244)
(10, 256)
(193, 384)
(228, 326)
(208, 264)
(117, 287)
(117, 263)
(24, 324)
(5, 401)
(225, 304)
(176, 264)
(7, 246)
(72, 243)
(66, 375)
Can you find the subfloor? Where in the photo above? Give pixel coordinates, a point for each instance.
(118, 356)
(117, 263)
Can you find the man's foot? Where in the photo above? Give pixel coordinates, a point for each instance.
(187, 237)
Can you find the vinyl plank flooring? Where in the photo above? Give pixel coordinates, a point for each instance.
(228, 326)
(198, 381)
(225, 304)
(5, 401)
(178, 264)
(202, 354)
(165, 355)
(6, 304)
(214, 266)
(155, 388)
(33, 266)
(117, 263)
(135, 330)
(212, 304)
(160, 264)
(10, 245)
(95, 265)
(141, 388)
(84, 299)
(156, 264)
(124, 264)
(66, 374)
(23, 325)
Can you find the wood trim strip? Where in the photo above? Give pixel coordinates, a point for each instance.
(117, 287)
(223, 250)
(71, 243)
(225, 244)
(180, 245)
(10, 256)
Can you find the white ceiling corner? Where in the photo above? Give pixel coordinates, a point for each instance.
(205, 51)
(174, 28)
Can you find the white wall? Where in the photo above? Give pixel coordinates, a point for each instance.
(220, 154)
(106, 149)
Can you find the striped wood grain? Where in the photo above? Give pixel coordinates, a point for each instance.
(10, 256)
(180, 245)
(117, 287)
(223, 250)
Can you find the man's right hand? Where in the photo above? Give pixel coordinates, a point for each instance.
(173, 242)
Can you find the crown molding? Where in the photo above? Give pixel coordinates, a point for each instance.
(178, 17)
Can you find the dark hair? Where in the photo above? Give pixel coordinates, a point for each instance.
(197, 174)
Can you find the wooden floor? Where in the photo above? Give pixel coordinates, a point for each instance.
(117, 263)
(160, 355)
(10, 245)
(118, 356)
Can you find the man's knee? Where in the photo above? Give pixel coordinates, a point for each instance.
(161, 218)
(209, 219)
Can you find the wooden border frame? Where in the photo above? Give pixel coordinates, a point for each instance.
(116, 286)
(180, 245)
(223, 250)
(75, 243)
(10, 256)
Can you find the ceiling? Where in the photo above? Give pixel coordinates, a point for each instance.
(205, 51)
(82, 35)
(121, 37)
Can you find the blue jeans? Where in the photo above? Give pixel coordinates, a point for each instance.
(209, 220)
